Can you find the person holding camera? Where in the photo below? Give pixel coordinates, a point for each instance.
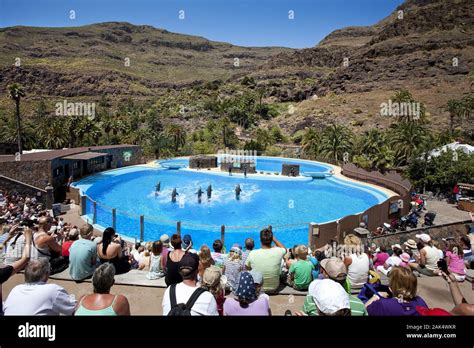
(110, 250)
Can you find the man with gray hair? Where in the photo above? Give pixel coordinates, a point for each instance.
(36, 297)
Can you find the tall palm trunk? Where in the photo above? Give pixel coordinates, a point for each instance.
(18, 125)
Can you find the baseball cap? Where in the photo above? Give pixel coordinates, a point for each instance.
(164, 238)
(212, 276)
(328, 296)
(186, 241)
(189, 261)
(396, 246)
(424, 237)
(335, 268)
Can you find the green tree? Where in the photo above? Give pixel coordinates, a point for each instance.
(177, 133)
(311, 142)
(336, 141)
(407, 139)
(16, 92)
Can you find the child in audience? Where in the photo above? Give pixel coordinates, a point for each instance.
(455, 260)
(300, 272)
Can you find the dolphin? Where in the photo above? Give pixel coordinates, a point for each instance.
(209, 191)
(173, 195)
(237, 191)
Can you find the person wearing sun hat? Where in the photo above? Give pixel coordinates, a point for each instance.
(330, 298)
(214, 282)
(427, 262)
(333, 268)
(246, 302)
(232, 267)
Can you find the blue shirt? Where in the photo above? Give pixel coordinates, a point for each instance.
(81, 254)
(315, 271)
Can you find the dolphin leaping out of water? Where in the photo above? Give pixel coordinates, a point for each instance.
(157, 188)
(173, 195)
(199, 193)
(209, 191)
(237, 191)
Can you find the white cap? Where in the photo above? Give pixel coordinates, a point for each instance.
(328, 295)
(424, 237)
(396, 246)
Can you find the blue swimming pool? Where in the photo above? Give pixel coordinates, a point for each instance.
(288, 204)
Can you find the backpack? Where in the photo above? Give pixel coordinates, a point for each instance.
(181, 309)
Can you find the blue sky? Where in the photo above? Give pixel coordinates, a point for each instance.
(240, 22)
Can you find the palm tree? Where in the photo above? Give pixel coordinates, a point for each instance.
(52, 133)
(159, 144)
(16, 92)
(224, 125)
(176, 132)
(454, 107)
(406, 139)
(263, 137)
(311, 142)
(336, 141)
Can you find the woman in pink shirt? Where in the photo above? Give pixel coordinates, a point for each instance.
(455, 260)
(380, 257)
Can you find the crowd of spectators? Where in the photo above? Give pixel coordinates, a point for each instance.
(350, 279)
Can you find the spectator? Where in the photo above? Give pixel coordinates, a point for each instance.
(300, 271)
(461, 307)
(36, 297)
(403, 302)
(165, 239)
(155, 270)
(411, 249)
(83, 255)
(247, 302)
(380, 256)
(258, 281)
(212, 281)
(72, 237)
(326, 298)
(427, 264)
(187, 244)
(205, 260)
(145, 259)
(173, 275)
(455, 260)
(392, 261)
(232, 268)
(267, 260)
(465, 241)
(405, 260)
(178, 294)
(334, 269)
(315, 259)
(249, 245)
(357, 263)
(110, 250)
(217, 255)
(102, 302)
(9, 270)
(45, 243)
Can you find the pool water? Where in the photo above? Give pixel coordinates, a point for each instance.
(288, 204)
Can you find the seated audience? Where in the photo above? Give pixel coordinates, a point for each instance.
(110, 250)
(83, 255)
(176, 296)
(144, 264)
(403, 300)
(217, 254)
(205, 260)
(380, 256)
(357, 263)
(455, 260)
(102, 302)
(36, 296)
(326, 298)
(232, 268)
(247, 301)
(427, 264)
(72, 236)
(212, 281)
(267, 260)
(392, 261)
(173, 275)
(249, 246)
(300, 275)
(333, 268)
(155, 270)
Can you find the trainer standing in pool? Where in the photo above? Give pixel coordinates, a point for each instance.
(245, 171)
(209, 192)
(237, 191)
(230, 170)
(173, 195)
(199, 193)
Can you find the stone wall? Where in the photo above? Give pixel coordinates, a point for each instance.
(290, 169)
(200, 162)
(35, 173)
(13, 186)
(250, 167)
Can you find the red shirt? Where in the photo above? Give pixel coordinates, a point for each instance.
(66, 246)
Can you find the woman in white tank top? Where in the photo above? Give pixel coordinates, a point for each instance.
(357, 263)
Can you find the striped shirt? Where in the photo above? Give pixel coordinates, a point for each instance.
(357, 307)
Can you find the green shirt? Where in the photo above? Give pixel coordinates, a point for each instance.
(302, 271)
(268, 262)
(357, 307)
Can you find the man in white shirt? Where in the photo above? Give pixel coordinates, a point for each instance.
(36, 297)
(205, 303)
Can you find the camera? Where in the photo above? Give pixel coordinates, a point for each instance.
(443, 266)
